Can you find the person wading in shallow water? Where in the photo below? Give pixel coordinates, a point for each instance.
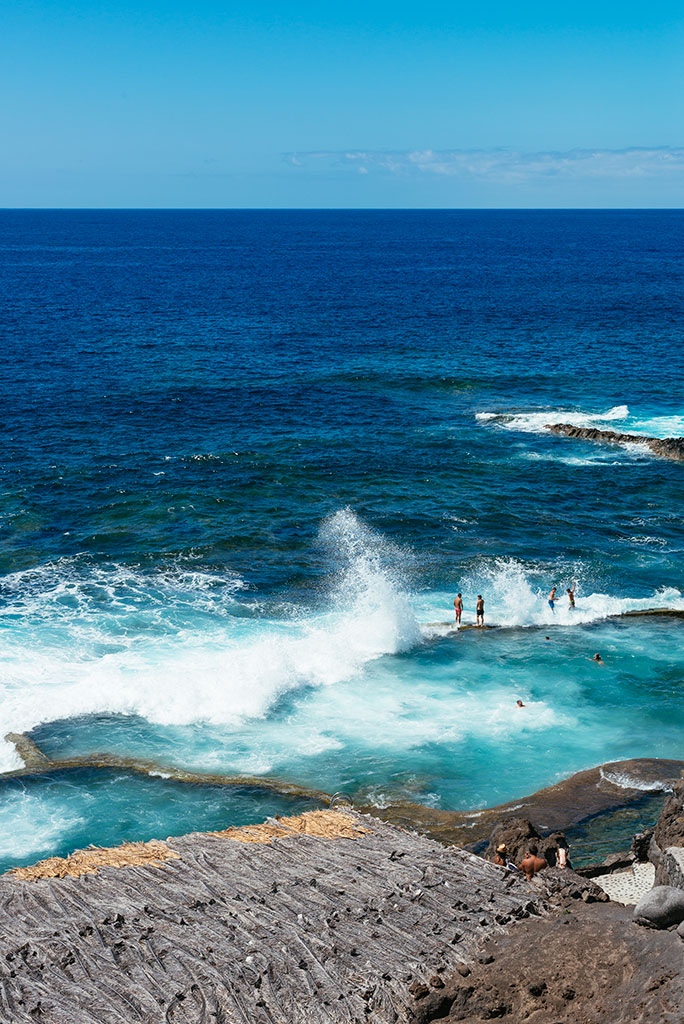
(532, 863)
(458, 608)
(479, 610)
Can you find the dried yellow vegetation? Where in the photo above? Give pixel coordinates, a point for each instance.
(322, 824)
(87, 862)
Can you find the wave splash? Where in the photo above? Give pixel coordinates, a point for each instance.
(517, 595)
(618, 417)
(175, 648)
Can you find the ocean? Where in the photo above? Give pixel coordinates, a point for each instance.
(249, 458)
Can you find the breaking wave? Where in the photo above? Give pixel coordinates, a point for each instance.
(617, 418)
(177, 648)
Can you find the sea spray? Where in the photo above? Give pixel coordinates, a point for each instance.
(517, 594)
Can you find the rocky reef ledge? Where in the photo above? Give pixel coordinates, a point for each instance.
(666, 448)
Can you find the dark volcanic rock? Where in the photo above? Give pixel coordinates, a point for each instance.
(641, 843)
(517, 834)
(562, 886)
(666, 448)
(585, 967)
(669, 830)
(670, 870)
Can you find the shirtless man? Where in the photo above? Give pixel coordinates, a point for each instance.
(532, 863)
(479, 610)
(571, 595)
(458, 608)
(552, 598)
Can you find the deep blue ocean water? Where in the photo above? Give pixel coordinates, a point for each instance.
(248, 459)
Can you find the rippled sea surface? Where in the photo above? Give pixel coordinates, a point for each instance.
(249, 458)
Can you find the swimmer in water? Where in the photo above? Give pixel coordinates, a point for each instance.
(552, 598)
(571, 595)
(458, 608)
(598, 659)
(520, 704)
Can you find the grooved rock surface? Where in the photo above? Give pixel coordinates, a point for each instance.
(301, 928)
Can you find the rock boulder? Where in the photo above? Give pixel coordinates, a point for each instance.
(518, 834)
(662, 907)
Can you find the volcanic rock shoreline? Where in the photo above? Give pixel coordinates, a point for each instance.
(667, 448)
(325, 918)
(336, 916)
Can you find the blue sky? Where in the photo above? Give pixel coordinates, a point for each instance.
(346, 105)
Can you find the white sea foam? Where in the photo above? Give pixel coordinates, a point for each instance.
(626, 781)
(616, 418)
(168, 646)
(32, 822)
(177, 648)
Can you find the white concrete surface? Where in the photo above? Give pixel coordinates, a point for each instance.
(630, 885)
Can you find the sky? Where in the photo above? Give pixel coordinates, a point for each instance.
(194, 103)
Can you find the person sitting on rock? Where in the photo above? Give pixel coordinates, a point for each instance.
(502, 858)
(532, 862)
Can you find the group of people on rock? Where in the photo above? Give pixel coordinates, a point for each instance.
(532, 862)
(570, 591)
(480, 605)
(479, 609)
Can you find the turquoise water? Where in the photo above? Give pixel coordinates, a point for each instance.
(68, 810)
(248, 459)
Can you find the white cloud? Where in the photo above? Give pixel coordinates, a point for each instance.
(508, 166)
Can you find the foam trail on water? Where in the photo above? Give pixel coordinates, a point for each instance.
(81, 640)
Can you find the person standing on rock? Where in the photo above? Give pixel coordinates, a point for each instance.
(479, 610)
(563, 852)
(571, 595)
(552, 597)
(532, 863)
(458, 607)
